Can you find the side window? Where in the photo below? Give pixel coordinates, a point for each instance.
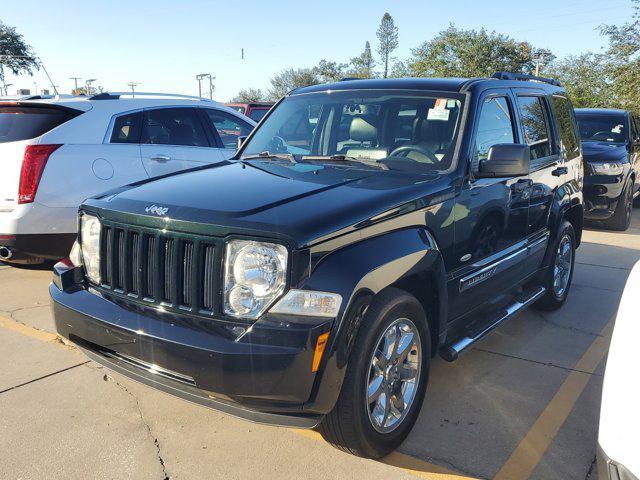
(495, 126)
(126, 128)
(566, 127)
(636, 129)
(534, 126)
(173, 126)
(228, 127)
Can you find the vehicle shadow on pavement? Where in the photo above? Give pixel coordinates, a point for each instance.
(479, 409)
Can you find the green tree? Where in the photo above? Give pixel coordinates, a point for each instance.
(470, 53)
(388, 40)
(15, 54)
(362, 66)
(249, 95)
(327, 71)
(289, 79)
(624, 52)
(586, 78)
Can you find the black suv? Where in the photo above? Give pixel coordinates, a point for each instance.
(611, 148)
(363, 227)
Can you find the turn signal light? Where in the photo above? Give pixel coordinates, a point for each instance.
(317, 356)
(33, 163)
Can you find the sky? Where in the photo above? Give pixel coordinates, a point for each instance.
(164, 44)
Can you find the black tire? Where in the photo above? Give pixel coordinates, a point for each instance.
(621, 218)
(552, 299)
(348, 426)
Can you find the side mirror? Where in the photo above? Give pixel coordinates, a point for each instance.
(241, 140)
(506, 160)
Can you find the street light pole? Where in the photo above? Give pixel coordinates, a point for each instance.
(88, 83)
(133, 86)
(199, 78)
(75, 81)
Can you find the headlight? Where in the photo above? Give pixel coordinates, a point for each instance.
(607, 168)
(90, 229)
(255, 275)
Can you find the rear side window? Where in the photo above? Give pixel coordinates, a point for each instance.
(126, 128)
(566, 126)
(495, 126)
(228, 127)
(22, 123)
(173, 126)
(257, 114)
(534, 126)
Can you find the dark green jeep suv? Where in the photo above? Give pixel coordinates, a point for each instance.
(362, 228)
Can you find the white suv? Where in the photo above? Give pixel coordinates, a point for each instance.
(55, 152)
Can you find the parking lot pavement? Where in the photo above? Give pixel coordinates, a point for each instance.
(523, 403)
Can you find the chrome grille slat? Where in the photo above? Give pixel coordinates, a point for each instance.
(208, 277)
(187, 265)
(135, 265)
(177, 271)
(121, 259)
(168, 279)
(151, 267)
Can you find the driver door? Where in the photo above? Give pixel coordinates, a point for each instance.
(490, 215)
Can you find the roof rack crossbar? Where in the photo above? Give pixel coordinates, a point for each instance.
(525, 77)
(117, 95)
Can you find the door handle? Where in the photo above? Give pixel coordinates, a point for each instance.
(560, 171)
(161, 158)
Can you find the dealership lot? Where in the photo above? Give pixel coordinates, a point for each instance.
(523, 403)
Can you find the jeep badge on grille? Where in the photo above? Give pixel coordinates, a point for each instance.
(160, 211)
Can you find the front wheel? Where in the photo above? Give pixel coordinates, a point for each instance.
(621, 218)
(386, 378)
(558, 275)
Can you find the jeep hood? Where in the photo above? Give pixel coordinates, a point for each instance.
(303, 202)
(603, 151)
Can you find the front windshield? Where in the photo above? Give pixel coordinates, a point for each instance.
(403, 131)
(602, 128)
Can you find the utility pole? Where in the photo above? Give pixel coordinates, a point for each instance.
(199, 78)
(75, 81)
(133, 86)
(211, 87)
(6, 88)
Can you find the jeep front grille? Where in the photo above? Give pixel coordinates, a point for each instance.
(172, 270)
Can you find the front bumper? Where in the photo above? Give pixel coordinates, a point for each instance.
(263, 375)
(601, 195)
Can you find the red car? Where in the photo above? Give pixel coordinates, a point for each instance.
(255, 111)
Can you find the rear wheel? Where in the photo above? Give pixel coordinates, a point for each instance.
(558, 275)
(621, 218)
(386, 378)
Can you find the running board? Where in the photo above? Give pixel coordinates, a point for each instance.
(450, 352)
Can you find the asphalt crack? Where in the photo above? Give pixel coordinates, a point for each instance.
(591, 469)
(545, 364)
(43, 377)
(165, 475)
(565, 327)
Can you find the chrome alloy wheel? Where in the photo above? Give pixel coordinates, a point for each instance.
(394, 374)
(562, 266)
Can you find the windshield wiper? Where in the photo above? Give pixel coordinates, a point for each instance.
(267, 155)
(343, 158)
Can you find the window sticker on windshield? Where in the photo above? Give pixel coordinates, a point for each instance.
(617, 129)
(439, 115)
(452, 103)
(441, 104)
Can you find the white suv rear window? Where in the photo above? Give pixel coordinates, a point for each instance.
(22, 122)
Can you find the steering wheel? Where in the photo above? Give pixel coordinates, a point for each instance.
(406, 149)
(277, 145)
(603, 134)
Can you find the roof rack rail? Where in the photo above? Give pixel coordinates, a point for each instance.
(347, 79)
(524, 77)
(117, 95)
